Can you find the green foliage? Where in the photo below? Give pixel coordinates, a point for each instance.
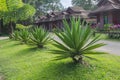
(14, 10)
(107, 26)
(15, 35)
(3, 5)
(20, 26)
(24, 36)
(43, 6)
(75, 40)
(40, 37)
(86, 4)
(25, 12)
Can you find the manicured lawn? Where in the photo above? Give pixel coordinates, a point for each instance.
(23, 62)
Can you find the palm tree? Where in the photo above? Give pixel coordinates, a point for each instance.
(75, 41)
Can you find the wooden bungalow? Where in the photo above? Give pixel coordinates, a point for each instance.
(108, 12)
(55, 19)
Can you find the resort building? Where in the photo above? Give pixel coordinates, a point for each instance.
(108, 12)
(55, 19)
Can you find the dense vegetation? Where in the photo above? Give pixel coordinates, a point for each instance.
(86, 4)
(12, 11)
(45, 6)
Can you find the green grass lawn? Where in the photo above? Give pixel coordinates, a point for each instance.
(23, 62)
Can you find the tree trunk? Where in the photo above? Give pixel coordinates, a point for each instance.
(11, 27)
(78, 59)
(40, 46)
(1, 25)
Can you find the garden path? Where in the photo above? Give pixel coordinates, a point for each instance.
(2, 38)
(112, 47)
(1, 77)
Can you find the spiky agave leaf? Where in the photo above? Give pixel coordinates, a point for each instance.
(24, 35)
(15, 35)
(76, 39)
(40, 37)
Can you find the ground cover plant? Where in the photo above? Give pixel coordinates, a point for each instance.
(24, 62)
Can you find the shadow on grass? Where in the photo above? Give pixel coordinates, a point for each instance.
(26, 51)
(4, 41)
(9, 44)
(62, 70)
(29, 51)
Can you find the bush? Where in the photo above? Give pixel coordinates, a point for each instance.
(107, 26)
(20, 27)
(39, 37)
(75, 41)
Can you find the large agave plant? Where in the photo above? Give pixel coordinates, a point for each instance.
(75, 41)
(39, 37)
(24, 36)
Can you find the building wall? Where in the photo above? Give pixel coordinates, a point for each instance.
(116, 17)
(110, 18)
(101, 20)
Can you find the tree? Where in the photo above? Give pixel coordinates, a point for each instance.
(75, 41)
(86, 4)
(44, 6)
(53, 5)
(13, 10)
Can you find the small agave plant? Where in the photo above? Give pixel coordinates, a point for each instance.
(14, 35)
(24, 36)
(40, 37)
(75, 41)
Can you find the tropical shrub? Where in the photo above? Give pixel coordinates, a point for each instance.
(39, 37)
(14, 35)
(20, 26)
(75, 41)
(107, 26)
(24, 35)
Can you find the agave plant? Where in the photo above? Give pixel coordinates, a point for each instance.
(24, 35)
(14, 35)
(75, 41)
(39, 37)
